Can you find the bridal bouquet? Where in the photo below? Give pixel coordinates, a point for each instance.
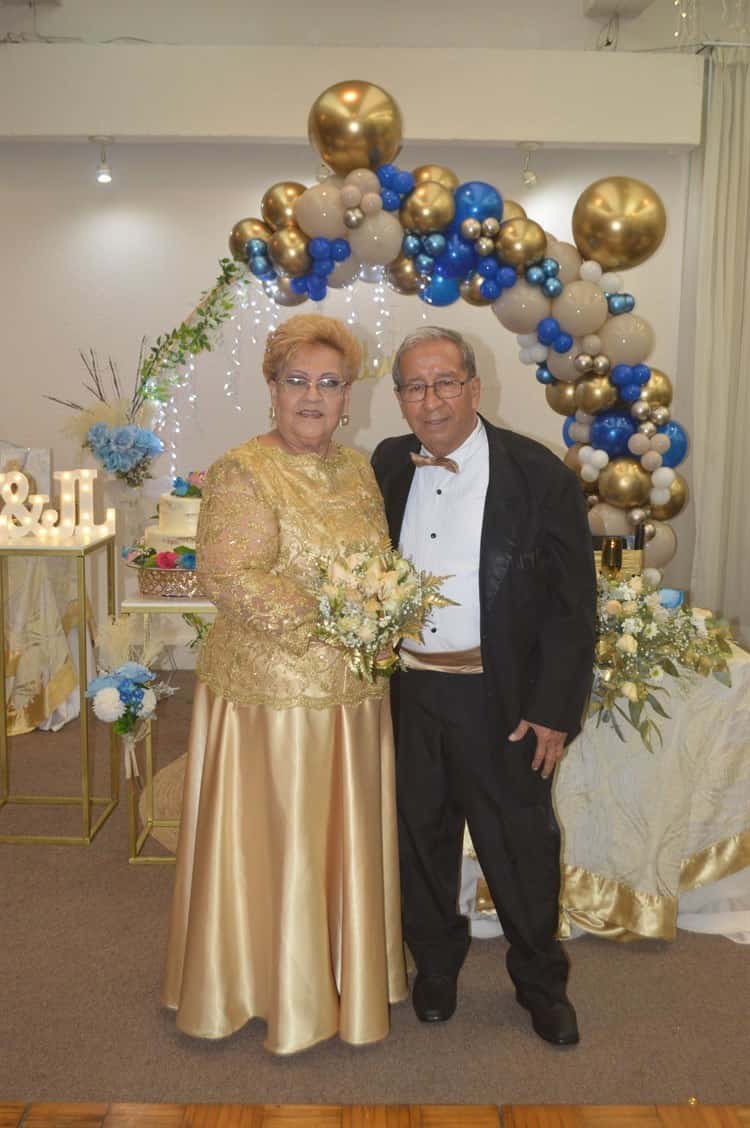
(644, 634)
(368, 600)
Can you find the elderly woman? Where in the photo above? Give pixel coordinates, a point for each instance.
(286, 903)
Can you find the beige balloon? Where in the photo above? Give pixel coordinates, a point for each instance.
(364, 179)
(343, 273)
(568, 258)
(378, 240)
(580, 309)
(562, 399)
(678, 495)
(595, 394)
(521, 307)
(624, 483)
(562, 365)
(320, 213)
(662, 547)
(608, 521)
(627, 339)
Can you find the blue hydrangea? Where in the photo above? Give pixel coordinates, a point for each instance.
(187, 560)
(180, 487)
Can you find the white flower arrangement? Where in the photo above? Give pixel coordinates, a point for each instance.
(643, 634)
(368, 599)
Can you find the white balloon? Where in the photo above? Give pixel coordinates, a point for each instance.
(611, 282)
(525, 357)
(659, 497)
(600, 459)
(526, 340)
(589, 473)
(663, 478)
(585, 454)
(540, 353)
(579, 432)
(590, 271)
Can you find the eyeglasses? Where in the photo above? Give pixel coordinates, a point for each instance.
(447, 387)
(326, 385)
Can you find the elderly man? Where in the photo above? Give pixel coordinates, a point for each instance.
(499, 684)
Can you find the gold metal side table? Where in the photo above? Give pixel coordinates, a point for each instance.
(85, 800)
(147, 606)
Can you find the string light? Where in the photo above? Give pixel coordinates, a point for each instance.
(103, 172)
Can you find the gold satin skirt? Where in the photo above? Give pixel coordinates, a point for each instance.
(286, 904)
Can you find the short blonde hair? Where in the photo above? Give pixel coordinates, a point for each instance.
(311, 329)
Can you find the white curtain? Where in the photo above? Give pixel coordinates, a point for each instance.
(721, 427)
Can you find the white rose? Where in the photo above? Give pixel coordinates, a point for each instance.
(108, 705)
(629, 690)
(632, 626)
(148, 704)
(627, 644)
(699, 617)
(636, 585)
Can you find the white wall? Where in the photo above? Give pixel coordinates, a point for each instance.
(88, 266)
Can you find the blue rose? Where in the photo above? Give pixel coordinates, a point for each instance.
(123, 438)
(106, 681)
(131, 694)
(180, 487)
(187, 561)
(134, 671)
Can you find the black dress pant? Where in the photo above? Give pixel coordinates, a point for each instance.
(450, 769)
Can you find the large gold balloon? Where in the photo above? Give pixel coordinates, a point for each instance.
(520, 242)
(437, 173)
(595, 394)
(402, 275)
(619, 222)
(512, 210)
(287, 249)
(429, 207)
(244, 230)
(561, 397)
(658, 389)
(471, 291)
(678, 495)
(277, 205)
(624, 483)
(355, 125)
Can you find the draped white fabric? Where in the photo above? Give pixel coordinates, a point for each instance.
(721, 427)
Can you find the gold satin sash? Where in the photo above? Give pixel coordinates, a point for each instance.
(444, 661)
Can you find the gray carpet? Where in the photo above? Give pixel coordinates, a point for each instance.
(82, 938)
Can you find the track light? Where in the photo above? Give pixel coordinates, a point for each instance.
(528, 176)
(103, 172)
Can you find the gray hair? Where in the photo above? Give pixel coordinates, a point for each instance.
(435, 333)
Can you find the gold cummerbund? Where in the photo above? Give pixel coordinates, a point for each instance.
(444, 661)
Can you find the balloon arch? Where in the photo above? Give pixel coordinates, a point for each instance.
(446, 241)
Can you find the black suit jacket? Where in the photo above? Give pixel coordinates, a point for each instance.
(537, 581)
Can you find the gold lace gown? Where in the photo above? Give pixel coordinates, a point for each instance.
(286, 904)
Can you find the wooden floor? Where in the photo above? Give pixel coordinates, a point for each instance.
(16, 1114)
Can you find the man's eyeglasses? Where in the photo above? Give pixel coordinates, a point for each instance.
(447, 387)
(326, 385)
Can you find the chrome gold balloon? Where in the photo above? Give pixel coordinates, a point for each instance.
(280, 291)
(287, 249)
(242, 232)
(595, 394)
(678, 495)
(277, 205)
(490, 227)
(657, 389)
(619, 222)
(471, 291)
(429, 207)
(484, 246)
(355, 125)
(561, 397)
(520, 242)
(601, 365)
(402, 275)
(512, 210)
(470, 229)
(438, 173)
(624, 483)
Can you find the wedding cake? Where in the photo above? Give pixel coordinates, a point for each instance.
(178, 515)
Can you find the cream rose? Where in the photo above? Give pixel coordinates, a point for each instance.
(629, 690)
(627, 644)
(613, 607)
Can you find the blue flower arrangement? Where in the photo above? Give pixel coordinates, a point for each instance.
(124, 451)
(124, 696)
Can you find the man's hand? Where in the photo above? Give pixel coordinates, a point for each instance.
(550, 745)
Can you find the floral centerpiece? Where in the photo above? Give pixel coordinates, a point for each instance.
(643, 635)
(117, 429)
(181, 557)
(368, 600)
(192, 486)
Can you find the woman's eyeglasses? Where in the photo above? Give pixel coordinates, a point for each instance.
(326, 385)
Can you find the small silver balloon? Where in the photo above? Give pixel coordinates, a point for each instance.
(484, 246)
(583, 363)
(648, 429)
(649, 531)
(640, 410)
(353, 218)
(490, 227)
(470, 229)
(601, 364)
(636, 516)
(659, 415)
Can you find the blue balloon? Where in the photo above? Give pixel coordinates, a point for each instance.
(298, 285)
(340, 250)
(535, 275)
(621, 375)
(403, 182)
(548, 330)
(630, 392)
(255, 247)
(391, 199)
(628, 302)
(566, 430)
(678, 443)
(411, 245)
(552, 287)
(611, 432)
(488, 268)
(318, 248)
(507, 277)
(457, 260)
(424, 263)
(269, 275)
(671, 598)
(440, 291)
(641, 373)
(544, 376)
(476, 200)
(550, 267)
(435, 243)
(387, 174)
(490, 289)
(323, 266)
(259, 264)
(317, 289)
(562, 343)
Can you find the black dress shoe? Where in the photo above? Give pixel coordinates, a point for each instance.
(555, 1022)
(434, 997)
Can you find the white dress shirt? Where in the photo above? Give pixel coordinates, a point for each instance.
(441, 533)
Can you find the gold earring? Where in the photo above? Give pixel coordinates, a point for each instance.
(344, 421)
(272, 413)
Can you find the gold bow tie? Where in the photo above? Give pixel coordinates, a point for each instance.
(429, 460)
